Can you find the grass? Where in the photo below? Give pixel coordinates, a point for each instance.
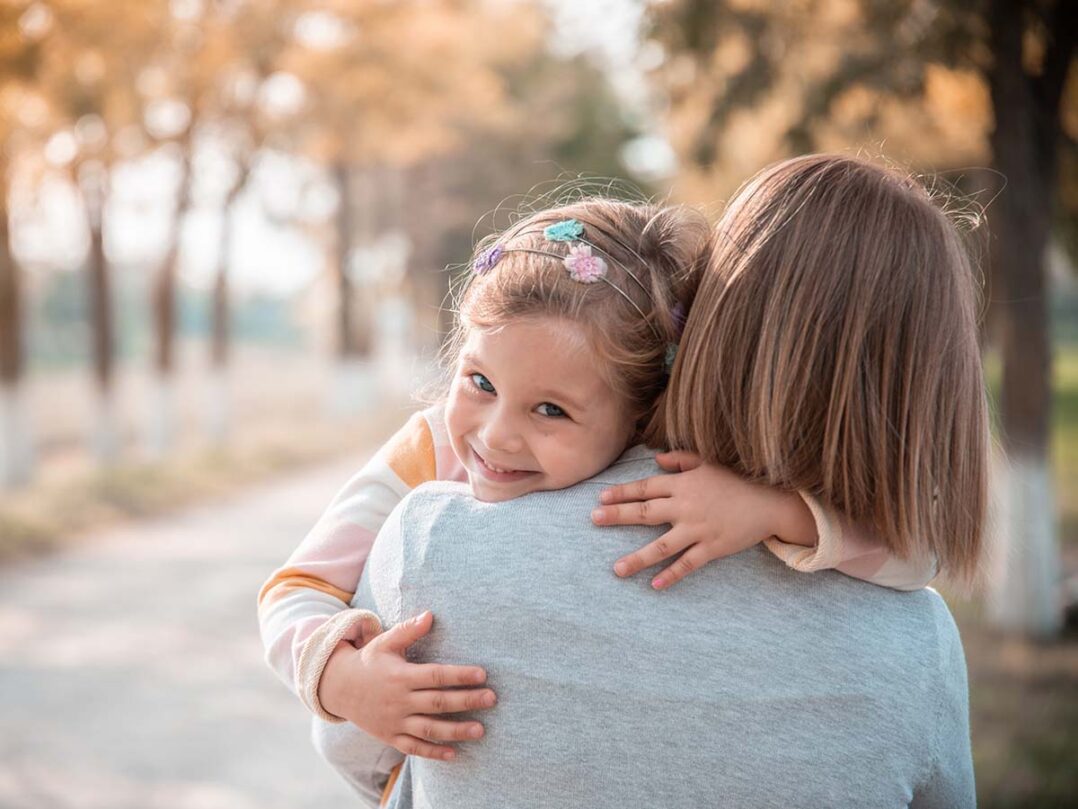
(60, 511)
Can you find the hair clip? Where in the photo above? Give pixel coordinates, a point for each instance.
(567, 230)
(582, 265)
(486, 260)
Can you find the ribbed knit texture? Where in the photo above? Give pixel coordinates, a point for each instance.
(746, 685)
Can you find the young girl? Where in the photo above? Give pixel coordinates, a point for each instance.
(566, 334)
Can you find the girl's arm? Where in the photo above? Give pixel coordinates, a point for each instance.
(308, 599)
(850, 548)
(714, 513)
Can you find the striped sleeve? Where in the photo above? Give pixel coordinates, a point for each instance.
(320, 577)
(844, 546)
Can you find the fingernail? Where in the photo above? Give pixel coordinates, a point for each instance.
(621, 568)
(488, 700)
(605, 497)
(597, 515)
(479, 676)
(658, 582)
(449, 755)
(475, 732)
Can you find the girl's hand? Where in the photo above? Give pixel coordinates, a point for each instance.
(398, 702)
(712, 513)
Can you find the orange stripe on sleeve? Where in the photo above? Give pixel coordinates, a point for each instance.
(410, 453)
(288, 579)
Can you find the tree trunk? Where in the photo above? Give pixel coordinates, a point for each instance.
(16, 447)
(352, 389)
(220, 332)
(346, 340)
(1026, 586)
(93, 183)
(163, 306)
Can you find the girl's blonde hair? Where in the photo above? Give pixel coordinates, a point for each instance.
(629, 329)
(832, 347)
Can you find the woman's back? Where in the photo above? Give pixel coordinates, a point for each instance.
(749, 685)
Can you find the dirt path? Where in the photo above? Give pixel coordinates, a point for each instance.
(131, 672)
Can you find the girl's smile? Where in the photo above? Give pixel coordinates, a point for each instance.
(529, 411)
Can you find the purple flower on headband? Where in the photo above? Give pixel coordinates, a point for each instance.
(679, 316)
(486, 260)
(567, 230)
(583, 266)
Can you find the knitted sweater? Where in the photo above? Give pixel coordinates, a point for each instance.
(749, 685)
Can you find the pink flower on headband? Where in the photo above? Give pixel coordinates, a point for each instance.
(583, 266)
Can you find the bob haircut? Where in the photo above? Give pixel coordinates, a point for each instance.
(832, 347)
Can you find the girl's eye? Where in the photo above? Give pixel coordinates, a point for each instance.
(482, 383)
(551, 410)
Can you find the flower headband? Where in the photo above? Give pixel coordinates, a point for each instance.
(584, 267)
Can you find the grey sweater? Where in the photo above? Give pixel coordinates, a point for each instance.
(747, 685)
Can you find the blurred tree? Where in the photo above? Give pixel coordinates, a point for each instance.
(254, 37)
(90, 61)
(801, 75)
(203, 91)
(21, 118)
(392, 83)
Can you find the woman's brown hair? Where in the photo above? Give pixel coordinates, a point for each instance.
(832, 347)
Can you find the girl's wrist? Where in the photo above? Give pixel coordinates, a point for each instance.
(795, 522)
(328, 692)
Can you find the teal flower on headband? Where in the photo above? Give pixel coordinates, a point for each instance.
(566, 230)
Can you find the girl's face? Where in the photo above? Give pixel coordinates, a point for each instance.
(529, 411)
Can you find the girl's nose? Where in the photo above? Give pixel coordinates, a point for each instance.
(500, 433)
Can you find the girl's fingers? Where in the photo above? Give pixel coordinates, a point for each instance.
(442, 730)
(404, 634)
(678, 461)
(436, 702)
(646, 489)
(643, 512)
(664, 547)
(439, 675)
(412, 746)
(693, 559)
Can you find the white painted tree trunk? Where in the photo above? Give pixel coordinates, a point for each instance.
(218, 405)
(161, 418)
(16, 441)
(1025, 586)
(393, 346)
(104, 429)
(354, 388)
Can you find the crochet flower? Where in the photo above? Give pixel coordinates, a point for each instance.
(566, 230)
(486, 260)
(583, 266)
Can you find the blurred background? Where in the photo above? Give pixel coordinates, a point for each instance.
(225, 227)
